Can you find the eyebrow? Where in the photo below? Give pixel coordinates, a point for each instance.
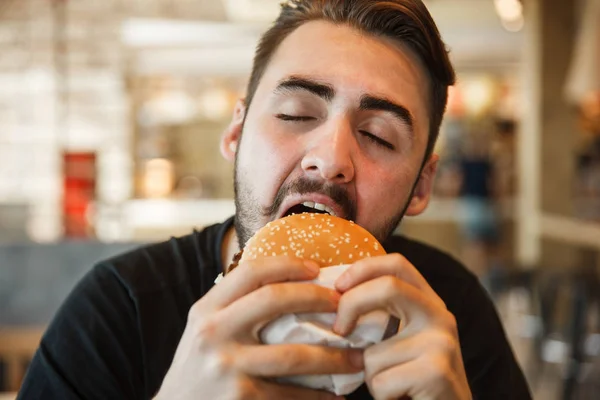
(368, 103)
(326, 92)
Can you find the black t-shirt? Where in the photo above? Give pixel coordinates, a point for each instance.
(116, 334)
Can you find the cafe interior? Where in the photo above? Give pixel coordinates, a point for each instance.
(110, 119)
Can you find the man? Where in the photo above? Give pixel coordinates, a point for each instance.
(343, 108)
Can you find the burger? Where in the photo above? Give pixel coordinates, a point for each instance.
(324, 238)
(330, 241)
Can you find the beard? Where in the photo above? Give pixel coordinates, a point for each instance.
(250, 216)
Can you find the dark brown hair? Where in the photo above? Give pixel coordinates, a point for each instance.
(405, 21)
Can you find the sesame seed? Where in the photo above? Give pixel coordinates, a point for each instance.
(366, 239)
(260, 250)
(350, 256)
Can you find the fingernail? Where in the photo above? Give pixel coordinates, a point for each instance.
(312, 266)
(338, 328)
(357, 359)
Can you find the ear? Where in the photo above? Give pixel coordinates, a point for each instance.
(232, 134)
(422, 192)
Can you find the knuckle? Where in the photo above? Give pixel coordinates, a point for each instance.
(270, 292)
(295, 360)
(398, 259)
(440, 369)
(222, 363)
(449, 323)
(446, 342)
(389, 284)
(205, 331)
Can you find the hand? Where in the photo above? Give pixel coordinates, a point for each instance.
(423, 360)
(220, 355)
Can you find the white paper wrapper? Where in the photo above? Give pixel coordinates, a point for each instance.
(318, 329)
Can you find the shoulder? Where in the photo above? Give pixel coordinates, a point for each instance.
(434, 264)
(169, 264)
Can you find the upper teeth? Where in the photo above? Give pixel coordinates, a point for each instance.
(319, 206)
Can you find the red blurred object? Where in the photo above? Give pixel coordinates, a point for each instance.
(79, 193)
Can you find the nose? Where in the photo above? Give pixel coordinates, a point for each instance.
(330, 153)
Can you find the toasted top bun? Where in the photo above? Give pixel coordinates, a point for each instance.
(323, 238)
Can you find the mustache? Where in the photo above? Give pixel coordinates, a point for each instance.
(304, 186)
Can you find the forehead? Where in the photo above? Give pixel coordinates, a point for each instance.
(354, 64)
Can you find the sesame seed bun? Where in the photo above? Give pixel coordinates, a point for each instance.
(323, 238)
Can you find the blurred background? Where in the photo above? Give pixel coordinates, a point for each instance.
(110, 116)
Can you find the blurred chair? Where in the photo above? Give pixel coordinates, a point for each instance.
(17, 346)
(566, 307)
(583, 367)
(565, 302)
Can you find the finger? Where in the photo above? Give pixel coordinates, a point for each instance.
(298, 359)
(253, 274)
(269, 391)
(250, 313)
(375, 267)
(413, 307)
(400, 350)
(423, 378)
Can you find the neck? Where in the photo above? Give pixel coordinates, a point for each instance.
(229, 247)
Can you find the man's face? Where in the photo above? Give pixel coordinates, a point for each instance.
(339, 119)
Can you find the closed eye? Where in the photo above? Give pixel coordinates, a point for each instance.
(377, 140)
(297, 118)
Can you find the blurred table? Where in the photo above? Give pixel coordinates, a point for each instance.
(17, 346)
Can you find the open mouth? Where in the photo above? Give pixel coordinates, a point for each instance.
(310, 207)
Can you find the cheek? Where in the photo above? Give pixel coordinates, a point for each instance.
(265, 158)
(386, 187)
